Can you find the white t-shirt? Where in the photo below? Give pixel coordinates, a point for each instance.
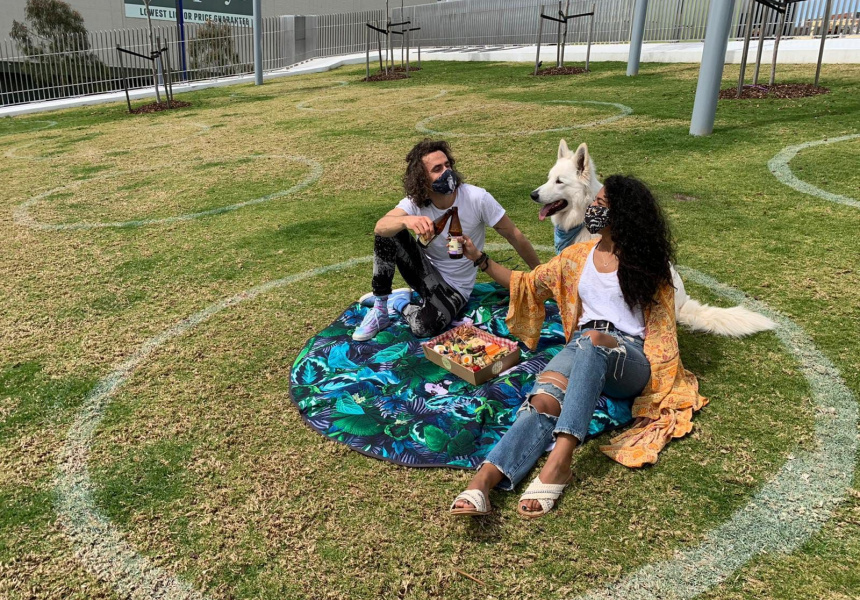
(602, 300)
(476, 209)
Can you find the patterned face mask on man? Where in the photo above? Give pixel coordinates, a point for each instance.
(596, 218)
(446, 184)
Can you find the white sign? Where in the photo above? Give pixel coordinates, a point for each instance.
(137, 11)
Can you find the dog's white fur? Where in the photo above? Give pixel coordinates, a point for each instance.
(572, 185)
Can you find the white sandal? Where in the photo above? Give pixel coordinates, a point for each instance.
(545, 493)
(480, 506)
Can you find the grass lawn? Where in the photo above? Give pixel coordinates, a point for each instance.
(202, 462)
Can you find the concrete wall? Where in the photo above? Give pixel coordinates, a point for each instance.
(110, 14)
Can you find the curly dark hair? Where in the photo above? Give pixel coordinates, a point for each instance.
(643, 242)
(415, 180)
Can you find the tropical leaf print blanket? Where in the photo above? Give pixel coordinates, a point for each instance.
(384, 399)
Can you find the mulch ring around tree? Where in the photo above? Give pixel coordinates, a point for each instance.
(383, 76)
(779, 90)
(562, 71)
(159, 106)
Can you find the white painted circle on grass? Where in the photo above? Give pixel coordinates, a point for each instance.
(782, 515)
(14, 152)
(288, 91)
(49, 124)
(787, 510)
(381, 104)
(780, 168)
(423, 126)
(22, 216)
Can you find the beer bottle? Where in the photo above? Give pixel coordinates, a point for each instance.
(438, 227)
(455, 235)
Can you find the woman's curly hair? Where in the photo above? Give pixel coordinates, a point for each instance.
(643, 242)
(415, 180)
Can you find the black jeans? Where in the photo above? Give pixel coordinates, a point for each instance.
(440, 302)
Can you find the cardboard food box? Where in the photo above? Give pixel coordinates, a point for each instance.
(474, 377)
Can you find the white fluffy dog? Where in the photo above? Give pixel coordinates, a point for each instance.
(571, 186)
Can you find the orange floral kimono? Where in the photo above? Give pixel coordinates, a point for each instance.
(665, 408)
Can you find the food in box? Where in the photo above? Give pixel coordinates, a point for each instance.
(471, 353)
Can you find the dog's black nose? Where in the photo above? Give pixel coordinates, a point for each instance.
(535, 195)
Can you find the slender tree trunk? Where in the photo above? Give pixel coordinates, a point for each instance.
(151, 49)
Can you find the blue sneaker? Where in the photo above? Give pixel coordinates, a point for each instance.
(374, 321)
(397, 300)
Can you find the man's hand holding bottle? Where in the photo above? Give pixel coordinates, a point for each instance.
(419, 225)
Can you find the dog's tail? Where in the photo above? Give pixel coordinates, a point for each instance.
(736, 321)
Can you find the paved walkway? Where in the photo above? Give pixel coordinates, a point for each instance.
(793, 51)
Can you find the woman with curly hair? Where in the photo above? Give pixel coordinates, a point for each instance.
(616, 301)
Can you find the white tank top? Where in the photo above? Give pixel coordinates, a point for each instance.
(602, 300)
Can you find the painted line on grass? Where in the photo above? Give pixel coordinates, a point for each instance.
(99, 545)
(303, 105)
(14, 151)
(49, 124)
(782, 515)
(423, 126)
(780, 168)
(787, 510)
(280, 93)
(21, 213)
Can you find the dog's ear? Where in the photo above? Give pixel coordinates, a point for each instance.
(563, 150)
(582, 161)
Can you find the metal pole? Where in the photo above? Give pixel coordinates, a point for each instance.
(258, 42)
(124, 78)
(776, 44)
(711, 71)
(746, 50)
(762, 24)
(407, 51)
(824, 27)
(637, 36)
(590, 34)
(540, 33)
(367, 52)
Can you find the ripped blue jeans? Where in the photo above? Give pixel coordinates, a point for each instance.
(575, 377)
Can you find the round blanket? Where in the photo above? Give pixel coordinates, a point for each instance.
(383, 398)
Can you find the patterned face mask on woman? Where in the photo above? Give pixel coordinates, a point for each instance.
(596, 218)
(446, 184)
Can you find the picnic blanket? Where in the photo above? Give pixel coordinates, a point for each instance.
(383, 398)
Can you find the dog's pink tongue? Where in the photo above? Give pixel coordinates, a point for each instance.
(545, 211)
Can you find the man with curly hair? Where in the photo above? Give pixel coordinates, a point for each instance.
(432, 187)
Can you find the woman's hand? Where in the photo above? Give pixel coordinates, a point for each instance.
(469, 249)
